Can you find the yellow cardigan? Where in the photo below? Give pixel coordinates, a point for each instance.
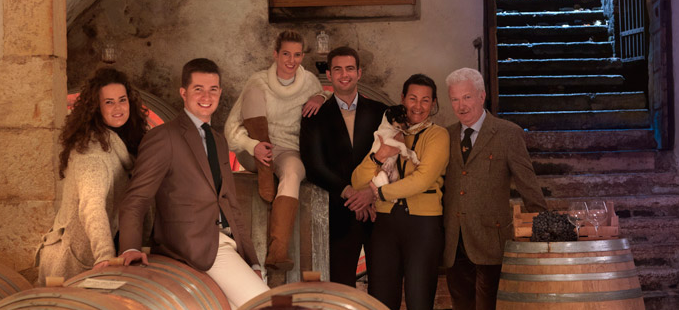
(432, 149)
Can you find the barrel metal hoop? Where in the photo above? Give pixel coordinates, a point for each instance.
(192, 287)
(56, 303)
(569, 277)
(144, 300)
(315, 302)
(534, 261)
(567, 247)
(11, 283)
(570, 297)
(317, 290)
(145, 280)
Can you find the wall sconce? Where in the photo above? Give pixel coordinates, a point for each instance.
(108, 52)
(322, 49)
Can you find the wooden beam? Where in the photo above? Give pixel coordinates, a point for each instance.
(301, 3)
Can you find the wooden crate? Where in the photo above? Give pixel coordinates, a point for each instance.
(523, 225)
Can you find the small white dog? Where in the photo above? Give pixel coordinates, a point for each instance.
(394, 122)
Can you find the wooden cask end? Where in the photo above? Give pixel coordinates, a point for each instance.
(67, 298)
(318, 295)
(164, 284)
(11, 282)
(569, 275)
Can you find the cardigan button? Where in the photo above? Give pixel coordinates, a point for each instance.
(461, 192)
(464, 172)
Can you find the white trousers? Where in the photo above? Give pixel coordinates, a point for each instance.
(233, 275)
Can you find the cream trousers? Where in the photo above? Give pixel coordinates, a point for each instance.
(233, 275)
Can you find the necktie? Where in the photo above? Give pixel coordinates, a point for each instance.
(466, 144)
(213, 159)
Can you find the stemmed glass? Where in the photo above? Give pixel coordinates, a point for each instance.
(597, 213)
(577, 214)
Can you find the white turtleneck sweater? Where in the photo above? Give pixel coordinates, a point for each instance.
(283, 109)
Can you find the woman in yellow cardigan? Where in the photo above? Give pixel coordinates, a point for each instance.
(407, 239)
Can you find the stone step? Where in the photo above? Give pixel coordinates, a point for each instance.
(653, 230)
(580, 120)
(534, 34)
(610, 184)
(551, 18)
(554, 5)
(637, 206)
(550, 84)
(655, 255)
(554, 50)
(594, 162)
(590, 140)
(658, 278)
(559, 66)
(661, 300)
(572, 101)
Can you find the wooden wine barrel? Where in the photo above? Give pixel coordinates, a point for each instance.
(164, 284)
(11, 282)
(67, 298)
(569, 275)
(317, 295)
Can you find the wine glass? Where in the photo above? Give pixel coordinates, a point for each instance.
(597, 213)
(577, 214)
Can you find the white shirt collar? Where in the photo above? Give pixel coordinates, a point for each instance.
(344, 106)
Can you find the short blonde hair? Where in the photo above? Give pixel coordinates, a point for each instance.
(289, 36)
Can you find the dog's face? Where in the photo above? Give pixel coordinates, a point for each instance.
(396, 116)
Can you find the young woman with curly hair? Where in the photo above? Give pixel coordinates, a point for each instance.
(99, 140)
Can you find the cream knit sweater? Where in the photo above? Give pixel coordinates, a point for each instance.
(283, 109)
(87, 220)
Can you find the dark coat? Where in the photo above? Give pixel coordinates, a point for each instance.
(328, 156)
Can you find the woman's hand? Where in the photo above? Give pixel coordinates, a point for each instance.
(312, 106)
(263, 153)
(387, 151)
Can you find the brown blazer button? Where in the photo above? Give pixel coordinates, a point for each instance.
(224, 196)
(461, 192)
(464, 172)
(497, 224)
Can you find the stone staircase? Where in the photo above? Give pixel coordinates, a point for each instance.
(558, 68)
(588, 127)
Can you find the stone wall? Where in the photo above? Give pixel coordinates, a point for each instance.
(33, 99)
(155, 38)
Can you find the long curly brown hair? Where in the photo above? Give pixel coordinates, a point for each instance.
(86, 124)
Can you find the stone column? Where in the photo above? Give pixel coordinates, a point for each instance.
(33, 104)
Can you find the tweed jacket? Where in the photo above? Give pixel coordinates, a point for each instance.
(87, 220)
(329, 157)
(476, 199)
(172, 167)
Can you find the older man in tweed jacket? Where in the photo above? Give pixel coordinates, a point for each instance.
(486, 154)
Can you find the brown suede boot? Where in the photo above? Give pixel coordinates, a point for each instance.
(258, 129)
(281, 222)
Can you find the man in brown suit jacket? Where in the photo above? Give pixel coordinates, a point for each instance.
(175, 167)
(486, 154)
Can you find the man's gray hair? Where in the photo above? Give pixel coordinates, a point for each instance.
(467, 74)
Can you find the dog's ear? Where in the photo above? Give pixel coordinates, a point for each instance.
(391, 113)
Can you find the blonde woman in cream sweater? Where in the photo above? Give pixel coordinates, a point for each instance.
(263, 129)
(99, 140)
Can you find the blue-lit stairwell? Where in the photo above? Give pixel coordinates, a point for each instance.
(588, 127)
(558, 70)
